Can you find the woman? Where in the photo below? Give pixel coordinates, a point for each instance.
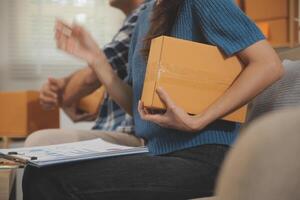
(187, 151)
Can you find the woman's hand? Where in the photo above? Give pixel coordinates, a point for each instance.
(174, 117)
(76, 41)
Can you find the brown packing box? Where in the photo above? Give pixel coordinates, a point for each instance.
(278, 34)
(266, 9)
(195, 75)
(21, 114)
(264, 28)
(92, 102)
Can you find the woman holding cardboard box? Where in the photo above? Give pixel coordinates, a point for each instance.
(187, 151)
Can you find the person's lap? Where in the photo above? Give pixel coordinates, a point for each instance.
(181, 175)
(60, 136)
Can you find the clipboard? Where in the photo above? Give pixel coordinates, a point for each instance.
(69, 152)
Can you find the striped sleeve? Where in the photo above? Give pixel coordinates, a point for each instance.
(223, 24)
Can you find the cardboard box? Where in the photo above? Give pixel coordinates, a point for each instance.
(266, 9)
(265, 28)
(238, 2)
(279, 35)
(194, 75)
(276, 13)
(92, 102)
(21, 114)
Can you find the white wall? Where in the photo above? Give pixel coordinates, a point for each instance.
(3, 42)
(9, 81)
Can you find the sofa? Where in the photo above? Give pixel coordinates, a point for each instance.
(263, 164)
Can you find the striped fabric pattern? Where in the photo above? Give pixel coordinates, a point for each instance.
(283, 94)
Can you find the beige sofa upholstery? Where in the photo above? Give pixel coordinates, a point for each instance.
(264, 164)
(263, 142)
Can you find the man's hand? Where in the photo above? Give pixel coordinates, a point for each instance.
(52, 92)
(77, 115)
(75, 40)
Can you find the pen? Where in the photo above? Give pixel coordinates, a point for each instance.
(16, 153)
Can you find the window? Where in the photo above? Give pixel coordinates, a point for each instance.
(29, 54)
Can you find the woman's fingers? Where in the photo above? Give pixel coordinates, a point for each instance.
(165, 98)
(141, 109)
(156, 118)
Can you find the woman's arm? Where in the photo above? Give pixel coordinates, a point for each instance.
(263, 68)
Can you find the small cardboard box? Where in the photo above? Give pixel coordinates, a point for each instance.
(278, 31)
(259, 10)
(21, 114)
(92, 102)
(264, 28)
(195, 75)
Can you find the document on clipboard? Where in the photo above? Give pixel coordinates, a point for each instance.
(69, 152)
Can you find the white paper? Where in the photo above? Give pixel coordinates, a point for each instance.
(53, 154)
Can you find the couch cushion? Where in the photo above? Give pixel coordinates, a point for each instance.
(284, 93)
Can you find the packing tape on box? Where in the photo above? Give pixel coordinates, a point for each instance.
(166, 74)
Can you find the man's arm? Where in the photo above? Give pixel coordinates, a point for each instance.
(86, 80)
(80, 84)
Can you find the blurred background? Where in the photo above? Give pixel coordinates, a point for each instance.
(28, 54)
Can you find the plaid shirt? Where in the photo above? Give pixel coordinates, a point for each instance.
(111, 116)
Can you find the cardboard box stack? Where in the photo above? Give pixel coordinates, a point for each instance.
(280, 15)
(194, 75)
(21, 114)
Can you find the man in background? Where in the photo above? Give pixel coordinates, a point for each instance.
(113, 124)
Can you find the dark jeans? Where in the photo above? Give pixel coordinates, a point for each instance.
(184, 174)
